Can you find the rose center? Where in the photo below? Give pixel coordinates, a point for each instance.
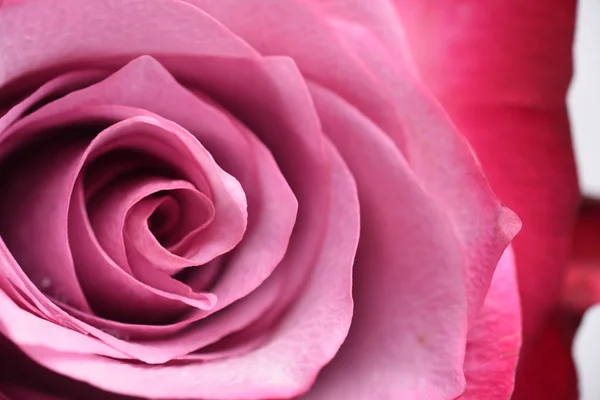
(176, 214)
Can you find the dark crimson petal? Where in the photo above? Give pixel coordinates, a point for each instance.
(583, 278)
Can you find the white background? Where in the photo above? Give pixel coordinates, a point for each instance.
(584, 106)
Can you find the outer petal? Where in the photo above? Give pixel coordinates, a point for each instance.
(501, 69)
(494, 341)
(23, 379)
(85, 30)
(407, 338)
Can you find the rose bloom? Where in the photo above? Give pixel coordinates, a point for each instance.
(263, 199)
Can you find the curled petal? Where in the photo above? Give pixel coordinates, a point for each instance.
(273, 370)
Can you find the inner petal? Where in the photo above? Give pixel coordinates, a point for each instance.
(130, 299)
(143, 249)
(164, 219)
(179, 214)
(110, 210)
(113, 203)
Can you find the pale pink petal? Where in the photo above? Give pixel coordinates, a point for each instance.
(494, 340)
(483, 224)
(25, 329)
(410, 282)
(82, 31)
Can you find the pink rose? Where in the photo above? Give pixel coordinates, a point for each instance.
(234, 199)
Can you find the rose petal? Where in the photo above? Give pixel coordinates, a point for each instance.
(33, 212)
(582, 286)
(225, 225)
(198, 212)
(23, 378)
(494, 341)
(218, 133)
(502, 69)
(410, 300)
(55, 87)
(24, 329)
(129, 301)
(123, 142)
(142, 28)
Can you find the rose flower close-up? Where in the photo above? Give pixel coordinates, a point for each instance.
(285, 199)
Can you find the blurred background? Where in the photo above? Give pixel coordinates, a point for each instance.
(584, 107)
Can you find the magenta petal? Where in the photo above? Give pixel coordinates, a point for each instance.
(582, 284)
